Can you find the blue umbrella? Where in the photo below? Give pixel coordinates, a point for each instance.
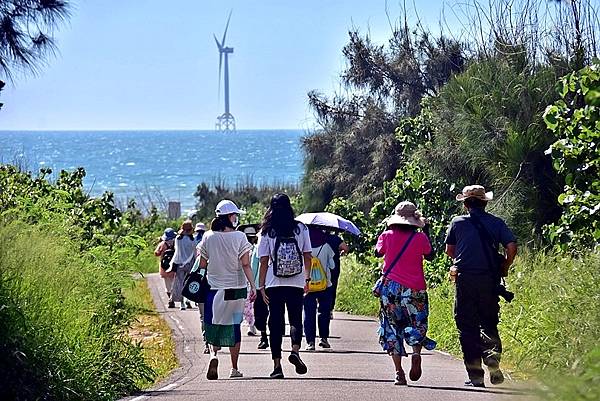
(330, 220)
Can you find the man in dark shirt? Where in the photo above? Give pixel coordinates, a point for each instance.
(472, 241)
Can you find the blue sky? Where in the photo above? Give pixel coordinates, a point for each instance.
(149, 64)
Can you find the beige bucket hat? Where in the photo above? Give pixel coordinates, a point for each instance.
(475, 191)
(406, 213)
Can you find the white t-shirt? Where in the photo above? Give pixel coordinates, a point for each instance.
(223, 251)
(266, 247)
(184, 250)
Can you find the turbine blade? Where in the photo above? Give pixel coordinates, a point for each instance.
(226, 27)
(217, 42)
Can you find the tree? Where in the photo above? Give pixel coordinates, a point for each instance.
(355, 150)
(26, 33)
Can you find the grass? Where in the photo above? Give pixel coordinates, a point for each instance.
(549, 332)
(151, 332)
(62, 319)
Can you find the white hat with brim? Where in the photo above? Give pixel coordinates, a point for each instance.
(406, 213)
(250, 231)
(200, 227)
(475, 191)
(226, 207)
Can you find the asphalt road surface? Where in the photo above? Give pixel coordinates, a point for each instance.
(354, 369)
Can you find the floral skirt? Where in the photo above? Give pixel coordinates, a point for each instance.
(403, 317)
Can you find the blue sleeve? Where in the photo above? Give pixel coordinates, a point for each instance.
(450, 235)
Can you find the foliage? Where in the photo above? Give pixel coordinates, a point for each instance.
(62, 318)
(64, 261)
(575, 120)
(355, 150)
(354, 289)
(26, 30)
(244, 194)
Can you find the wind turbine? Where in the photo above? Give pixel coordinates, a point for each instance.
(226, 121)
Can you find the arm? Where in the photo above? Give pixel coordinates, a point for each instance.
(159, 249)
(450, 250)
(344, 248)
(511, 252)
(307, 264)
(245, 259)
(262, 278)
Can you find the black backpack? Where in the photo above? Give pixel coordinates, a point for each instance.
(167, 255)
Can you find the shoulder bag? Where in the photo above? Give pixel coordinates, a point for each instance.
(379, 284)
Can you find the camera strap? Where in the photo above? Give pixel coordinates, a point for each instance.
(486, 242)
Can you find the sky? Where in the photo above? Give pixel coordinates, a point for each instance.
(153, 65)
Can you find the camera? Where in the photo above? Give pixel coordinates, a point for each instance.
(504, 293)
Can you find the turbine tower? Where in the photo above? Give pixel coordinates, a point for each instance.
(226, 121)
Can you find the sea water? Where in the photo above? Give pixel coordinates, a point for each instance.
(160, 165)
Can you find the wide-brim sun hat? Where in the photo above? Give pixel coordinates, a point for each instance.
(200, 227)
(406, 213)
(168, 234)
(187, 227)
(226, 207)
(475, 191)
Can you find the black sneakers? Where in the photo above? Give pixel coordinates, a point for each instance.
(295, 360)
(277, 373)
(264, 342)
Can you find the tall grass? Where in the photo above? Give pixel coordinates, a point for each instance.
(549, 332)
(62, 321)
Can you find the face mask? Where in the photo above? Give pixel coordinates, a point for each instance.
(236, 221)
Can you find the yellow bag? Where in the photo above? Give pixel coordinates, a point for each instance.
(318, 276)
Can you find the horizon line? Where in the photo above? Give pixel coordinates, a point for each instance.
(147, 130)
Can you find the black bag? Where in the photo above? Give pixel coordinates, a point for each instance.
(195, 286)
(165, 258)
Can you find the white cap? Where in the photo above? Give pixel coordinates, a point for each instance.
(200, 227)
(227, 207)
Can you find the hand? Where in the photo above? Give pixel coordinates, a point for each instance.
(252, 294)
(305, 288)
(264, 295)
(504, 267)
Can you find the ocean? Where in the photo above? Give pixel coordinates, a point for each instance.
(159, 165)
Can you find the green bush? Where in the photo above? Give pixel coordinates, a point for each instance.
(575, 120)
(62, 321)
(354, 288)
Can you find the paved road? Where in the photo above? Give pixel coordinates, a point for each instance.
(355, 368)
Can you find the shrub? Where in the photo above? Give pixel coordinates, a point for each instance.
(575, 120)
(62, 321)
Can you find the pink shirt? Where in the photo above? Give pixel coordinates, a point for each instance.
(408, 271)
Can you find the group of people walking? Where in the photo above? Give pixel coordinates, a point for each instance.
(288, 269)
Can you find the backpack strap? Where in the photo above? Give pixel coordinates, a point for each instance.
(391, 266)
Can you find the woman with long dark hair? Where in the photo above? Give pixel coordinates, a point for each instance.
(225, 254)
(285, 257)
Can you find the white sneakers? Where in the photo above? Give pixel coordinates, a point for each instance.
(310, 347)
(235, 373)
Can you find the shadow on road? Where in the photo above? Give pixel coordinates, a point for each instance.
(503, 390)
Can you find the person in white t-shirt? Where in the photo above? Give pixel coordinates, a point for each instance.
(225, 254)
(285, 252)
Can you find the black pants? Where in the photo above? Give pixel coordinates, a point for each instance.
(476, 311)
(261, 313)
(335, 278)
(281, 298)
